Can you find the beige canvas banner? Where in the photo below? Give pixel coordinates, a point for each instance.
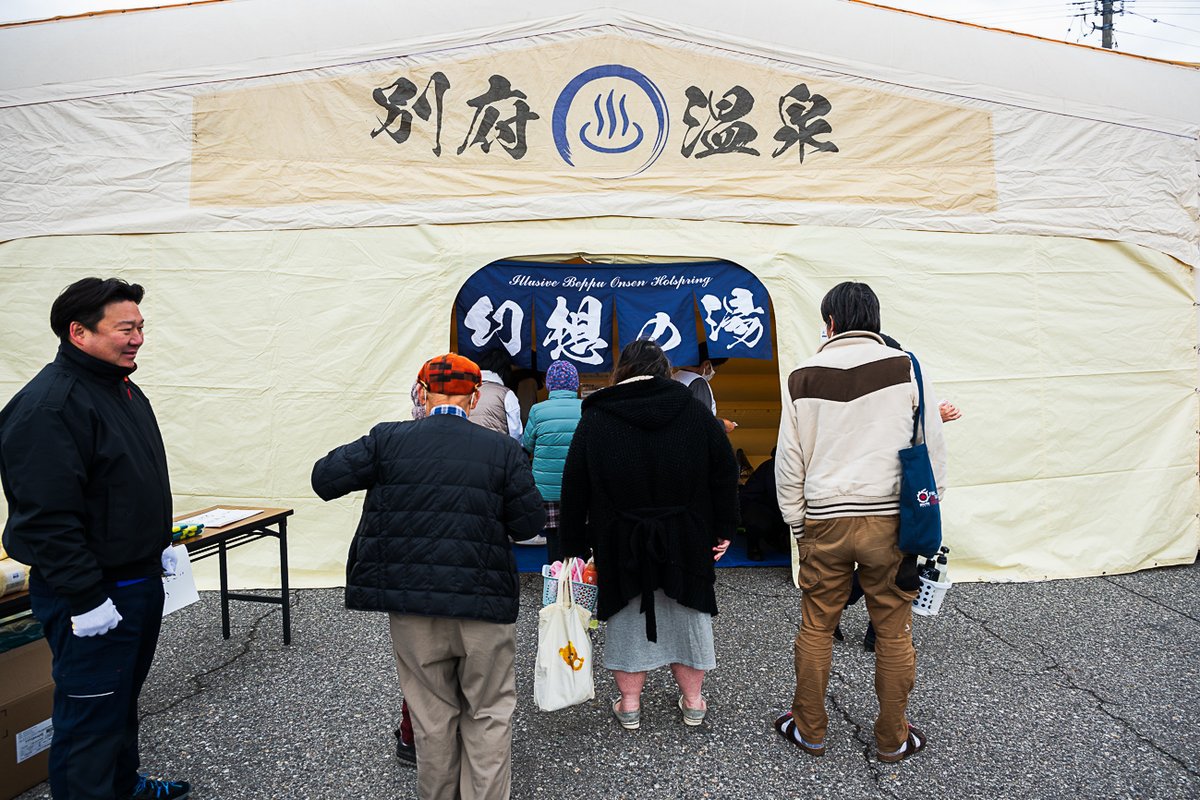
(587, 114)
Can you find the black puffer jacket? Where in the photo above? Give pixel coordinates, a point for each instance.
(443, 496)
(650, 484)
(85, 475)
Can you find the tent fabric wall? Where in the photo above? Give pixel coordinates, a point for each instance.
(1072, 359)
(1028, 212)
(292, 150)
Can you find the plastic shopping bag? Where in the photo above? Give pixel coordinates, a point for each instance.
(562, 675)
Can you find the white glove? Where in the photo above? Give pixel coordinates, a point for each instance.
(170, 560)
(97, 622)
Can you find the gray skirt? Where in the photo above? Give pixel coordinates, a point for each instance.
(685, 636)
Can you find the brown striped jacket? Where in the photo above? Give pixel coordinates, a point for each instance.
(847, 412)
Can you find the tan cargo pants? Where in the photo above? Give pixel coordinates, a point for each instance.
(457, 675)
(827, 555)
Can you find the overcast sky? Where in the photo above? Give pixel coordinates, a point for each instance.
(1160, 28)
(1175, 35)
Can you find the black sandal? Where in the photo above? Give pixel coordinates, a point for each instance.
(785, 726)
(914, 744)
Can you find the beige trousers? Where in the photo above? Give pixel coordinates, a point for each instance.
(458, 678)
(827, 555)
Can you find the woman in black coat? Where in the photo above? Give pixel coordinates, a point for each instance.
(650, 488)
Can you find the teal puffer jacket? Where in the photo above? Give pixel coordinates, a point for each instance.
(548, 435)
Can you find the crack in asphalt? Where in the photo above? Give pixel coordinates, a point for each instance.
(868, 741)
(1154, 601)
(1101, 704)
(251, 637)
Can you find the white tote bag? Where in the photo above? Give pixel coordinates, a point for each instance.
(562, 675)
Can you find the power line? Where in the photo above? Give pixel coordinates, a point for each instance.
(1168, 24)
(1169, 12)
(1159, 39)
(1018, 21)
(1041, 6)
(1021, 15)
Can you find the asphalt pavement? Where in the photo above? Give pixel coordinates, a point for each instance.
(1035, 690)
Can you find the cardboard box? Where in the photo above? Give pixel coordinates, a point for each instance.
(26, 700)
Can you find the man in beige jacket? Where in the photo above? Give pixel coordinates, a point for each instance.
(847, 412)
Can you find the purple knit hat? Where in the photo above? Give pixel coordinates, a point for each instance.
(562, 375)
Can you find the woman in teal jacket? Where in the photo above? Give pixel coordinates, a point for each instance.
(547, 436)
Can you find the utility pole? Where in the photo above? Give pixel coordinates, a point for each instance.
(1104, 9)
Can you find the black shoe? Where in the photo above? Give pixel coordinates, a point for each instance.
(869, 639)
(407, 753)
(154, 789)
(837, 633)
(754, 551)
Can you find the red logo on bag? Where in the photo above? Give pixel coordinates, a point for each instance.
(927, 498)
(571, 656)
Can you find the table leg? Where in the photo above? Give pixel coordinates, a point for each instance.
(283, 579)
(224, 591)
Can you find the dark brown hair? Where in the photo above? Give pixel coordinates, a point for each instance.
(641, 357)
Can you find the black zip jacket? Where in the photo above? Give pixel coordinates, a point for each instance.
(85, 475)
(443, 498)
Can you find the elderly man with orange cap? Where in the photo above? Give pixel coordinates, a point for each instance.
(433, 550)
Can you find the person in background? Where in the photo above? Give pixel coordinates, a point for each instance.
(433, 551)
(89, 509)
(418, 407)
(847, 412)
(697, 378)
(760, 512)
(498, 407)
(548, 434)
(650, 487)
(406, 747)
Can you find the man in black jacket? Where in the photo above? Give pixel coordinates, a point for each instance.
(433, 550)
(89, 509)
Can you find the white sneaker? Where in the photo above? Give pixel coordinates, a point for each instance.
(534, 542)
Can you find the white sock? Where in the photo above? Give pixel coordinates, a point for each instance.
(904, 746)
(796, 735)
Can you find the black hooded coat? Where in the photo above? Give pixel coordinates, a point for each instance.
(650, 485)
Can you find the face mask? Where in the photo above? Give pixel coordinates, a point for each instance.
(709, 373)
(824, 335)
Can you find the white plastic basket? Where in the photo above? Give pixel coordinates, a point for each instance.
(929, 600)
(582, 593)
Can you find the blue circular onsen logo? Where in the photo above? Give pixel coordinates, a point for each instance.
(605, 123)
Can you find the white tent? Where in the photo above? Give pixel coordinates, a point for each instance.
(303, 187)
